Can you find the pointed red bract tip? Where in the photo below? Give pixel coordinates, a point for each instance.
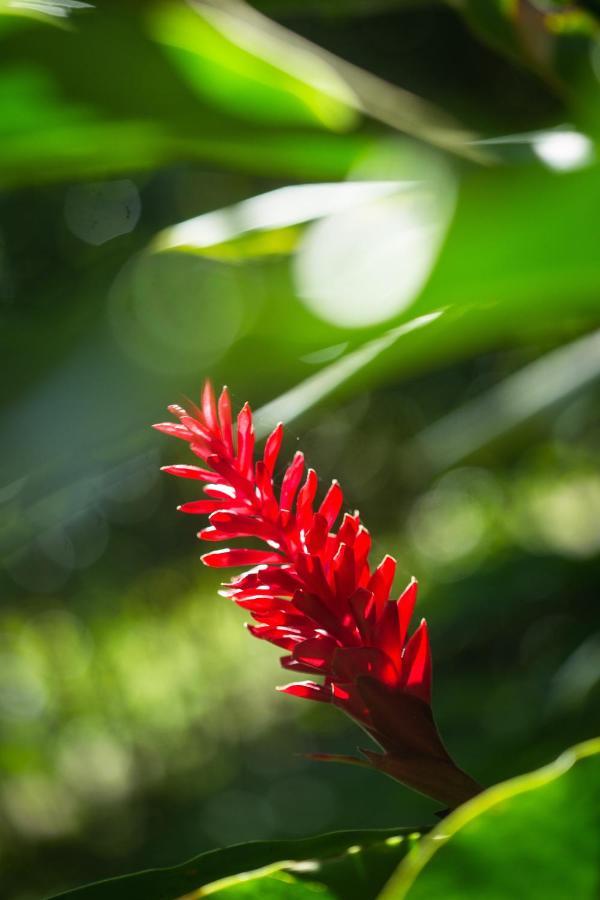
(225, 421)
(406, 604)
(272, 448)
(209, 407)
(417, 664)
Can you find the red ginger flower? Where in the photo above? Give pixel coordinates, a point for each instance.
(314, 594)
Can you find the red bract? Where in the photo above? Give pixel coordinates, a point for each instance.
(312, 592)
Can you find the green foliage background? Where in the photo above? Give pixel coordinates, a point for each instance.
(425, 320)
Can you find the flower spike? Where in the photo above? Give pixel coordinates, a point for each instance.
(312, 592)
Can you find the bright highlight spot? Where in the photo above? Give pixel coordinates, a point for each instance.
(394, 841)
(368, 263)
(564, 150)
(59, 8)
(564, 515)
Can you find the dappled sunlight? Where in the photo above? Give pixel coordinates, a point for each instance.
(167, 311)
(452, 526)
(123, 700)
(282, 208)
(58, 8)
(470, 513)
(375, 222)
(564, 150)
(398, 236)
(247, 51)
(562, 514)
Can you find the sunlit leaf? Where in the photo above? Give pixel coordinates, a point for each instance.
(520, 241)
(301, 398)
(250, 75)
(57, 126)
(392, 105)
(346, 865)
(201, 84)
(534, 836)
(226, 232)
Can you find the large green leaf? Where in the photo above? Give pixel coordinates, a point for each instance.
(534, 836)
(204, 83)
(72, 115)
(521, 239)
(390, 104)
(346, 865)
(519, 263)
(519, 251)
(248, 73)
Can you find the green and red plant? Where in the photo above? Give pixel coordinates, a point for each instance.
(314, 593)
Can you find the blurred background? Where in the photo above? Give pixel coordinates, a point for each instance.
(375, 220)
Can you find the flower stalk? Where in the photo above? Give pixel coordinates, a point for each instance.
(312, 592)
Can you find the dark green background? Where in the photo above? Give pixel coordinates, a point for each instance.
(138, 722)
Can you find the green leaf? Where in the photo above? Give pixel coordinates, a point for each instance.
(536, 388)
(387, 103)
(520, 239)
(534, 836)
(267, 224)
(278, 885)
(248, 73)
(343, 371)
(70, 115)
(202, 84)
(346, 865)
(519, 263)
(555, 43)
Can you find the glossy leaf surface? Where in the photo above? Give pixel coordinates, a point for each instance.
(346, 865)
(534, 836)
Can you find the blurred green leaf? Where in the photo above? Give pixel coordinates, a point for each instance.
(206, 84)
(263, 225)
(553, 40)
(539, 386)
(70, 116)
(534, 836)
(530, 252)
(271, 885)
(519, 263)
(392, 105)
(347, 369)
(247, 73)
(349, 865)
(521, 247)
